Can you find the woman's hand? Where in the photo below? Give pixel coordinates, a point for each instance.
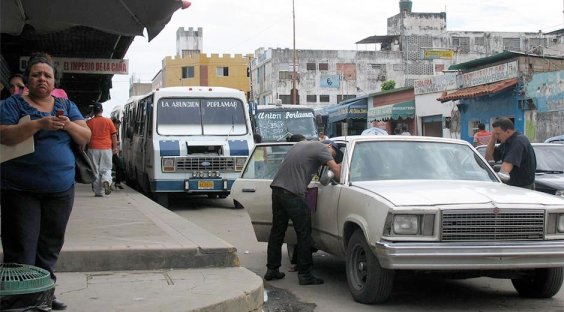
(51, 123)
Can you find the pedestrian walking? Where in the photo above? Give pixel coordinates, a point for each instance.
(101, 148)
(482, 136)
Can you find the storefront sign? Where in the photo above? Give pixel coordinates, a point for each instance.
(86, 66)
(488, 75)
(435, 84)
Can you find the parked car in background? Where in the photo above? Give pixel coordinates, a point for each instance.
(549, 177)
(409, 203)
(556, 139)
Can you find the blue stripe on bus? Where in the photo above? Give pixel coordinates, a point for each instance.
(169, 148)
(238, 148)
(178, 185)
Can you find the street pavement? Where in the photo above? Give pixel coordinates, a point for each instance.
(124, 252)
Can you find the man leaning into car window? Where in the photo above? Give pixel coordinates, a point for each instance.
(288, 203)
(516, 153)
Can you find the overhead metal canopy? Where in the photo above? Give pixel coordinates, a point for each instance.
(102, 29)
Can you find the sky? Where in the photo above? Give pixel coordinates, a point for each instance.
(241, 27)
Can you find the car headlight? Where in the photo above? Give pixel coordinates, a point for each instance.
(555, 224)
(559, 193)
(406, 224)
(168, 165)
(561, 223)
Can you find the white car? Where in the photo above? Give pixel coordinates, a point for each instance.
(418, 203)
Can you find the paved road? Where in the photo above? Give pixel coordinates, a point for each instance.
(411, 293)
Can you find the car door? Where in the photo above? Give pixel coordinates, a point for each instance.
(252, 190)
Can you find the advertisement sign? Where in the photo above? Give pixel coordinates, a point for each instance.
(438, 54)
(435, 84)
(488, 75)
(330, 81)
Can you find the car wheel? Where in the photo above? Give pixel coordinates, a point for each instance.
(542, 283)
(368, 281)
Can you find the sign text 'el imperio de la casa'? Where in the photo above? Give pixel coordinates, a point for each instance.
(86, 66)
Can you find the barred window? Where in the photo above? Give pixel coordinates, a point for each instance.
(310, 66)
(323, 66)
(324, 98)
(311, 98)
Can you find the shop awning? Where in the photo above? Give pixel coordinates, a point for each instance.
(353, 110)
(480, 90)
(393, 111)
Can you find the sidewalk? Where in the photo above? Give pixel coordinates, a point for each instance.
(124, 252)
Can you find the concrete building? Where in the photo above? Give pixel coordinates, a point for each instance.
(324, 77)
(191, 67)
(417, 46)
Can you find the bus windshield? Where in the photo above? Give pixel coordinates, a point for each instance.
(205, 116)
(277, 125)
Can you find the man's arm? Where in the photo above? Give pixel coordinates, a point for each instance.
(114, 143)
(491, 147)
(336, 168)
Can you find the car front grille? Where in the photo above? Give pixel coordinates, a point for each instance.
(492, 224)
(189, 164)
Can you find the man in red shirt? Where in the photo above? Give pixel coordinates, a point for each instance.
(482, 136)
(102, 146)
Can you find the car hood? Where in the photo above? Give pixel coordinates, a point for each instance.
(552, 180)
(432, 193)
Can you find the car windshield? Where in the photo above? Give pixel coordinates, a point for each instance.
(550, 157)
(406, 160)
(190, 116)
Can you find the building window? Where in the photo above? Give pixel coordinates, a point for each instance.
(285, 75)
(324, 98)
(311, 98)
(461, 43)
(479, 41)
(222, 71)
(511, 43)
(310, 66)
(345, 97)
(323, 66)
(286, 99)
(187, 72)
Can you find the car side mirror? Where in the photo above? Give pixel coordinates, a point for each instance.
(327, 177)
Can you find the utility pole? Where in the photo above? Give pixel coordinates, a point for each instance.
(294, 56)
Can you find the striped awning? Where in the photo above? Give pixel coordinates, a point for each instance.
(396, 111)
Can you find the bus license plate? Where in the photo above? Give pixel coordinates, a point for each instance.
(205, 185)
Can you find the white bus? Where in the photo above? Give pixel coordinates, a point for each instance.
(186, 139)
(277, 122)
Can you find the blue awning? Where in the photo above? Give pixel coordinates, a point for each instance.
(352, 110)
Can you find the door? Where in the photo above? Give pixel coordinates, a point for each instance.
(252, 190)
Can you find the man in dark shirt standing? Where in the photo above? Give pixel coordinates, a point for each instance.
(516, 153)
(288, 203)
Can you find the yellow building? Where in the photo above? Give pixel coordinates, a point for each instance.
(199, 69)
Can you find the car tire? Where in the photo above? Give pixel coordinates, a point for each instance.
(543, 283)
(368, 281)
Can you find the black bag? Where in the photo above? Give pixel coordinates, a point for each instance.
(84, 170)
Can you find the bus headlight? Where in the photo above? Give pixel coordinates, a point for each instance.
(240, 163)
(168, 165)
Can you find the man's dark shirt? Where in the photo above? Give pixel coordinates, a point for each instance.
(517, 150)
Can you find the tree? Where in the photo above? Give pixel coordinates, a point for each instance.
(388, 85)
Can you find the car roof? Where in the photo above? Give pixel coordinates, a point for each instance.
(363, 138)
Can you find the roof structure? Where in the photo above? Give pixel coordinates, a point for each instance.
(480, 90)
